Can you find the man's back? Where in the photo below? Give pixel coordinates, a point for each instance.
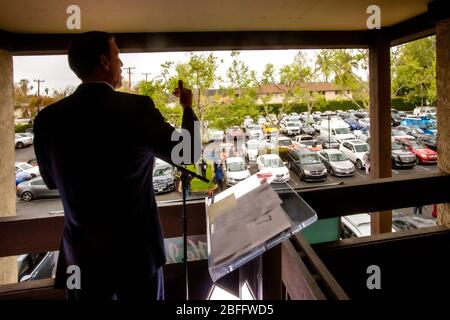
(97, 147)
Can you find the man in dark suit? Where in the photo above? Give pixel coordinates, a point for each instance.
(97, 147)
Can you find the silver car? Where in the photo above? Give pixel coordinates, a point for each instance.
(33, 189)
(163, 177)
(337, 162)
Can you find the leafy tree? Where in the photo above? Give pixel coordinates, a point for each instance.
(346, 64)
(414, 71)
(324, 63)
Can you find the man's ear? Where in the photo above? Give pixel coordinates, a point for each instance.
(104, 61)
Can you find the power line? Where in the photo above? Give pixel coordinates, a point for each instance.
(39, 86)
(146, 74)
(129, 75)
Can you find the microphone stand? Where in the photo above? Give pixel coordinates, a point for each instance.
(185, 178)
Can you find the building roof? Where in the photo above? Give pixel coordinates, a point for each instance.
(49, 16)
(310, 86)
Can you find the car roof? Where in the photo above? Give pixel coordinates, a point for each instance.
(356, 142)
(270, 156)
(304, 150)
(234, 159)
(332, 151)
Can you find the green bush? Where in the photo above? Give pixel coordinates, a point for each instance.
(401, 105)
(21, 127)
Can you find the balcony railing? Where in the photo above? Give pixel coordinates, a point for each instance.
(297, 269)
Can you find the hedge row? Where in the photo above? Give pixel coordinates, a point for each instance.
(21, 127)
(333, 105)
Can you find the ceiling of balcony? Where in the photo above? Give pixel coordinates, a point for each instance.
(49, 16)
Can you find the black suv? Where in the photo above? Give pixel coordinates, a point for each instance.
(306, 164)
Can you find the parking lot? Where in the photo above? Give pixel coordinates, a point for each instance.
(45, 206)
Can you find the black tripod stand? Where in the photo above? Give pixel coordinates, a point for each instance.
(186, 177)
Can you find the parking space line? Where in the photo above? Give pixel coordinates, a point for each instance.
(421, 167)
(330, 179)
(396, 172)
(359, 174)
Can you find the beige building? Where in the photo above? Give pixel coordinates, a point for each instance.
(330, 91)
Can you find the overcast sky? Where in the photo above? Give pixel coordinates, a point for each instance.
(57, 75)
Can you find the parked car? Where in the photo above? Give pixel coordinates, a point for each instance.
(282, 145)
(253, 131)
(272, 163)
(36, 266)
(356, 225)
(363, 135)
(353, 122)
(291, 128)
(411, 222)
(328, 142)
(23, 166)
(235, 170)
(22, 176)
(423, 154)
(402, 157)
(312, 145)
(430, 142)
(163, 177)
(308, 129)
(218, 135)
(416, 132)
(21, 140)
(33, 189)
(398, 134)
(306, 164)
(337, 163)
(355, 151)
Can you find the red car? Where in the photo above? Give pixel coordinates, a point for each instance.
(423, 154)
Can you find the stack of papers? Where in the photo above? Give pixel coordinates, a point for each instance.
(244, 217)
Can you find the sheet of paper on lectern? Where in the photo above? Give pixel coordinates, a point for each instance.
(244, 217)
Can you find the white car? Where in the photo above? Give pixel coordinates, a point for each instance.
(22, 140)
(218, 135)
(262, 121)
(26, 167)
(254, 148)
(364, 122)
(291, 127)
(272, 163)
(254, 131)
(356, 225)
(399, 134)
(355, 151)
(235, 170)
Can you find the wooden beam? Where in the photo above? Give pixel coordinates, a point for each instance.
(380, 120)
(412, 29)
(36, 44)
(378, 194)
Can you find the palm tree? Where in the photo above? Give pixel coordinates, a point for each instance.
(324, 63)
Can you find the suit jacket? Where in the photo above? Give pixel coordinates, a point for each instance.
(97, 147)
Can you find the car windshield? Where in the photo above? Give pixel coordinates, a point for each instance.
(330, 139)
(361, 147)
(309, 159)
(292, 124)
(398, 133)
(341, 130)
(417, 145)
(284, 142)
(430, 126)
(273, 163)
(337, 157)
(25, 166)
(162, 171)
(396, 146)
(236, 166)
(309, 142)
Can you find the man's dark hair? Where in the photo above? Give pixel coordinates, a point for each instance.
(85, 52)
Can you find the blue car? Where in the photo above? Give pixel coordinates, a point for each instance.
(22, 176)
(353, 123)
(427, 125)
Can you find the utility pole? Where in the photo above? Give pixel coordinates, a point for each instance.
(129, 76)
(39, 86)
(146, 74)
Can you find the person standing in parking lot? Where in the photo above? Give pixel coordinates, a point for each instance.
(112, 231)
(366, 159)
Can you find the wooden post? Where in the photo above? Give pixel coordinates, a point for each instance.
(8, 265)
(380, 121)
(443, 107)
